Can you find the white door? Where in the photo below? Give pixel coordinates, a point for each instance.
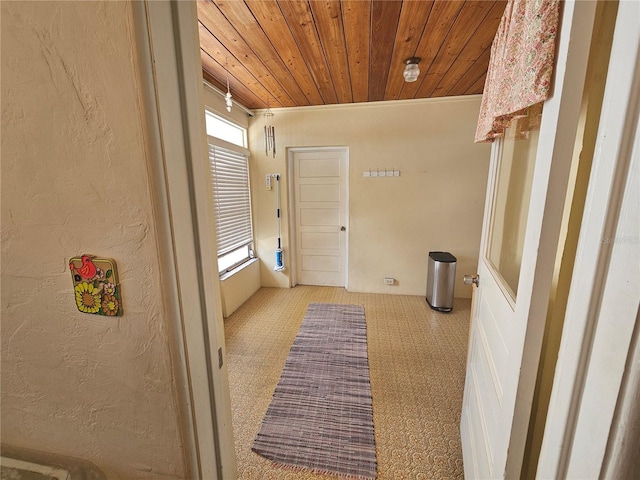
(320, 208)
(523, 212)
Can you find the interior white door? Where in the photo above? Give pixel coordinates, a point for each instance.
(523, 212)
(320, 206)
(497, 332)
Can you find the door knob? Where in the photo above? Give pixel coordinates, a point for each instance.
(470, 279)
(343, 228)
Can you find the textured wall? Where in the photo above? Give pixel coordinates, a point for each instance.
(436, 204)
(74, 181)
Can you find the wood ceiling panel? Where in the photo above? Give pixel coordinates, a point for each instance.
(212, 70)
(471, 76)
(237, 51)
(385, 16)
(301, 23)
(467, 21)
(413, 20)
(316, 52)
(328, 18)
(269, 17)
(238, 14)
(441, 19)
(356, 18)
(473, 50)
(478, 86)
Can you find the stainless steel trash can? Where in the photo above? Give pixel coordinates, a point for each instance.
(441, 275)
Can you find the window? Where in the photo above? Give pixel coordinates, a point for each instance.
(224, 130)
(232, 200)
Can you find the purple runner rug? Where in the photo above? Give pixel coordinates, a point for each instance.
(321, 415)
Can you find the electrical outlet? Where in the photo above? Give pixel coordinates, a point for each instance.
(268, 181)
(389, 280)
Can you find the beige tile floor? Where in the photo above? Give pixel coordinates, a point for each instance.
(417, 364)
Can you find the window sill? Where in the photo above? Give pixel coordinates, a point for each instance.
(231, 273)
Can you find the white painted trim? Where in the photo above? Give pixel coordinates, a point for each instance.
(148, 104)
(293, 263)
(347, 220)
(621, 460)
(370, 105)
(603, 299)
(179, 172)
(560, 119)
(218, 142)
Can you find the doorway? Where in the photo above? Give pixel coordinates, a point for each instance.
(319, 202)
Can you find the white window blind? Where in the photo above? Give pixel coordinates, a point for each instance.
(232, 201)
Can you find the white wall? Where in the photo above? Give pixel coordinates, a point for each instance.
(238, 287)
(75, 180)
(436, 204)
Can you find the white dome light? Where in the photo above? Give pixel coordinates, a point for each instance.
(411, 71)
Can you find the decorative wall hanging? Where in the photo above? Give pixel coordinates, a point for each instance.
(269, 134)
(521, 65)
(96, 285)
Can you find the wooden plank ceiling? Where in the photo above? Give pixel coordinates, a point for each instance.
(311, 52)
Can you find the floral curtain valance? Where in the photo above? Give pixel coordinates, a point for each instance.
(521, 64)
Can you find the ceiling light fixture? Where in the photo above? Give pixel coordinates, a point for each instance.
(227, 97)
(411, 70)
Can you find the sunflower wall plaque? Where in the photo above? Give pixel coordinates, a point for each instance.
(96, 286)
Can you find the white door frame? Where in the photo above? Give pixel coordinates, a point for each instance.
(167, 41)
(602, 309)
(167, 44)
(292, 223)
(528, 314)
